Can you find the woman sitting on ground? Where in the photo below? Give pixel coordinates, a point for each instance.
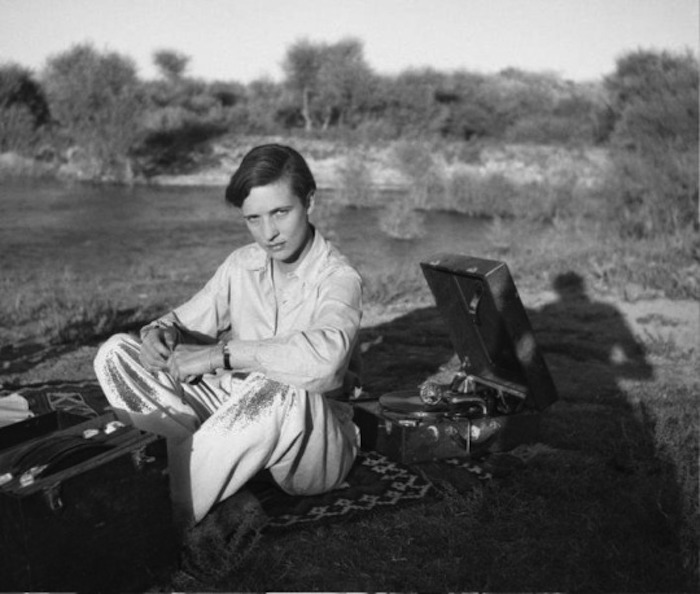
(237, 378)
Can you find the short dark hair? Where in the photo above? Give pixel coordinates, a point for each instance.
(267, 164)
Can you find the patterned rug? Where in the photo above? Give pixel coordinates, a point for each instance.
(374, 483)
(84, 398)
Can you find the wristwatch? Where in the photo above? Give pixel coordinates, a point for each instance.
(227, 356)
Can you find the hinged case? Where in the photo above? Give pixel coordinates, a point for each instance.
(496, 346)
(98, 520)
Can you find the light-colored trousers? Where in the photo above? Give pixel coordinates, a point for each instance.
(226, 428)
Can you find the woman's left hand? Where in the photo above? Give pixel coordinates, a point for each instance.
(191, 360)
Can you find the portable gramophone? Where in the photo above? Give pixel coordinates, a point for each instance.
(494, 400)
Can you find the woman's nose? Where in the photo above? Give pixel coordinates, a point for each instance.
(270, 230)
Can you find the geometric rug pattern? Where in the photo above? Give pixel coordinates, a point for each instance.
(374, 483)
(82, 398)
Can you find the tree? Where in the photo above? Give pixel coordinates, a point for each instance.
(301, 66)
(654, 100)
(470, 112)
(96, 98)
(655, 97)
(343, 82)
(409, 101)
(171, 63)
(330, 81)
(18, 87)
(23, 109)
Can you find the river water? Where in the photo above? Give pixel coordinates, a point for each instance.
(88, 228)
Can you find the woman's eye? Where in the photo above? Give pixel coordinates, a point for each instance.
(281, 213)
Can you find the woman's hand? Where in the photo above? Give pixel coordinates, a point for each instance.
(190, 360)
(158, 344)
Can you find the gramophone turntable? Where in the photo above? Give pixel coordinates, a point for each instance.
(494, 401)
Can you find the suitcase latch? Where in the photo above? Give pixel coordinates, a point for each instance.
(460, 434)
(140, 458)
(52, 496)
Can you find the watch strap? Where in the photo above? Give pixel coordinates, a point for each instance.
(227, 356)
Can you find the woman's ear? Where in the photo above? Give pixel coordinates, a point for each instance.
(310, 202)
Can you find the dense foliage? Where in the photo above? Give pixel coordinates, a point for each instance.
(23, 109)
(654, 98)
(328, 88)
(646, 112)
(97, 100)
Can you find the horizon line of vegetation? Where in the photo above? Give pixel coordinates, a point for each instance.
(91, 110)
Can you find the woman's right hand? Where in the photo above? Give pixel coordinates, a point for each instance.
(157, 345)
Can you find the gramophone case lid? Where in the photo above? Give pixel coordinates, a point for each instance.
(488, 324)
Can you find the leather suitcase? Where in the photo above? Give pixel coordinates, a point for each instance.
(493, 402)
(98, 517)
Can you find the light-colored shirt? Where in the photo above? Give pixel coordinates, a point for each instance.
(303, 335)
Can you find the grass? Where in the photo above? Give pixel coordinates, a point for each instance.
(393, 286)
(674, 416)
(573, 520)
(541, 250)
(607, 501)
(65, 309)
(610, 504)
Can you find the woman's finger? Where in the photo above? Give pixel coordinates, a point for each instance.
(173, 367)
(156, 345)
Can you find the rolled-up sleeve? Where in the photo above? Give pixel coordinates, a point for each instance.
(206, 314)
(316, 357)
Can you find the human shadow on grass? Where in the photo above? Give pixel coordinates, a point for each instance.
(591, 332)
(612, 504)
(629, 522)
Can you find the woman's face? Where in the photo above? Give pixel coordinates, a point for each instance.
(279, 221)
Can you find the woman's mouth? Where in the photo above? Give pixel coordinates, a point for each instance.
(276, 247)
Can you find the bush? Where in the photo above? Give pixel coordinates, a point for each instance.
(400, 220)
(17, 130)
(175, 140)
(355, 181)
(97, 100)
(491, 195)
(23, 110)
(654, 97)
(415, 161)
(549, 129)
(655, 194)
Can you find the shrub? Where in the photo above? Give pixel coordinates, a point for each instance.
(97, 100)
(355, 181)
(549, 129)
(17, 130)
(414, 159)
(400, 221)
(654, 97)
(23, 110)
(176, 140)
(491, 195)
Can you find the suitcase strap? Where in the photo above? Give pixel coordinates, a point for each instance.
(57, 453)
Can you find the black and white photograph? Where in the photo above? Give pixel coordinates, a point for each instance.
(349, 296)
